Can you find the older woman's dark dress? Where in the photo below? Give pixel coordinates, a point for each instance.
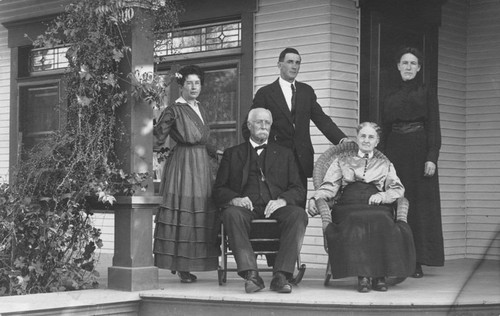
(363, 239)
(412, 136)
(186, 223)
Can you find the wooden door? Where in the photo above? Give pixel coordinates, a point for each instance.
(386, 26)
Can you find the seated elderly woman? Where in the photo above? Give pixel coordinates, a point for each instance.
(362, 235)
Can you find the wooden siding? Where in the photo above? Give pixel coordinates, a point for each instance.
(483, 129)
(26, 9)
(326, 33)
(451, 94)
(4, 105)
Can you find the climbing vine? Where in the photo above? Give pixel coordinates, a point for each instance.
(47, 239)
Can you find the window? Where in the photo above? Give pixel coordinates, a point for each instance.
(38, 112)
(208, 37)
(43, 59)
(219, 96)
(226, 59)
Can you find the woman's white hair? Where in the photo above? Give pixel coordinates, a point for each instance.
(372, 125)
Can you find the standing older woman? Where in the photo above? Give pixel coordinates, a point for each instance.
(362, 237)
(412, 142)
(186, 222)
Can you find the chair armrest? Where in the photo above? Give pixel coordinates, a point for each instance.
(324, 210)
(402, 209)
(326, 218)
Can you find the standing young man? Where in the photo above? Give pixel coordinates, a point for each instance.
(293, 105)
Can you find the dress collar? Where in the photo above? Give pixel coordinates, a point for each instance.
(362, 155)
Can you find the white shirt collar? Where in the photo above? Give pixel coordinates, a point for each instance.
(254, 144)
(182, 100)
(286, 84)
(362, 154)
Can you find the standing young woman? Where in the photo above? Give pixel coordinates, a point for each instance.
(186, 222)
(412, 140)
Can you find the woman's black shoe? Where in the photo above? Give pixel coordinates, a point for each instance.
(379, 284)
(418, 272)
(364, 285)
(186, 277)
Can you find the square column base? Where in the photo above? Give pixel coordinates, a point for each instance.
(133, 279)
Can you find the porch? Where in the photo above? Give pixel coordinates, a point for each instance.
(461, 287)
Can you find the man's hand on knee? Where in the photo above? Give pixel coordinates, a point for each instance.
(242, 202)
(273, 205)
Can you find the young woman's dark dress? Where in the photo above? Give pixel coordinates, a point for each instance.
(412, 136)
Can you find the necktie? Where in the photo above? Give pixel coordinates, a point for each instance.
(366, 156)
(294, 97)
(263, 146)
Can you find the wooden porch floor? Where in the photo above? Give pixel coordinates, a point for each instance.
(462, 287)
(459, 282)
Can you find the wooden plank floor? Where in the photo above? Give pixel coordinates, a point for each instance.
(462, 287)
(459, 282)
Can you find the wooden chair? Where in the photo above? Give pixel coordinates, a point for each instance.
(320, 168)
(264, 237)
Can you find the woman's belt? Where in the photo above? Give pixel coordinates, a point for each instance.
(407, 127)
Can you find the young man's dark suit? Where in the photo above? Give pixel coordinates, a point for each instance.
(283, 181)
(294, 133)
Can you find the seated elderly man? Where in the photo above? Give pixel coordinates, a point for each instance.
(257, 179)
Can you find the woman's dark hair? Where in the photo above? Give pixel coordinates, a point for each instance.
(409, 50)
(189, 70)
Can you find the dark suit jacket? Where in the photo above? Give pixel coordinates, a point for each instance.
(283, 132)
(280, 171)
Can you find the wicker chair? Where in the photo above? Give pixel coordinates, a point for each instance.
(320, 168)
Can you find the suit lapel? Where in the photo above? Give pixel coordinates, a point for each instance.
(300, 99)
(279, 98)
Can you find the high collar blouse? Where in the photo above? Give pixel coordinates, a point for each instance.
(346, 170)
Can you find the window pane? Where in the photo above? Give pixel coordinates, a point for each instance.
(39, 115)
(220, 97)
(42, 59)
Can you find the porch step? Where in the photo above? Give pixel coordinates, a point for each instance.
(156, 306)
(114, 309)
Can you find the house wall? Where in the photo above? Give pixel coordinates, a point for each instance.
(483, 129)
(326, 33)
(452, 103)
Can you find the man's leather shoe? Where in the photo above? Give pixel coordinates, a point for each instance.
(280, 283)
(418, 272)
(253, 282)
(379, 284)
(364, 284)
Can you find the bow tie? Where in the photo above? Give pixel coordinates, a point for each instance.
(263, 146)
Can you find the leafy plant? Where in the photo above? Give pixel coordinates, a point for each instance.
(47, 240)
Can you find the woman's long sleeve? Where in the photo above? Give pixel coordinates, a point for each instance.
(433, 129)
(162, 128)
(393, 188)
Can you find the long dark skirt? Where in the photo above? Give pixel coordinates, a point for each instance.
(364, 240)
(187, 221)
(407, 153)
